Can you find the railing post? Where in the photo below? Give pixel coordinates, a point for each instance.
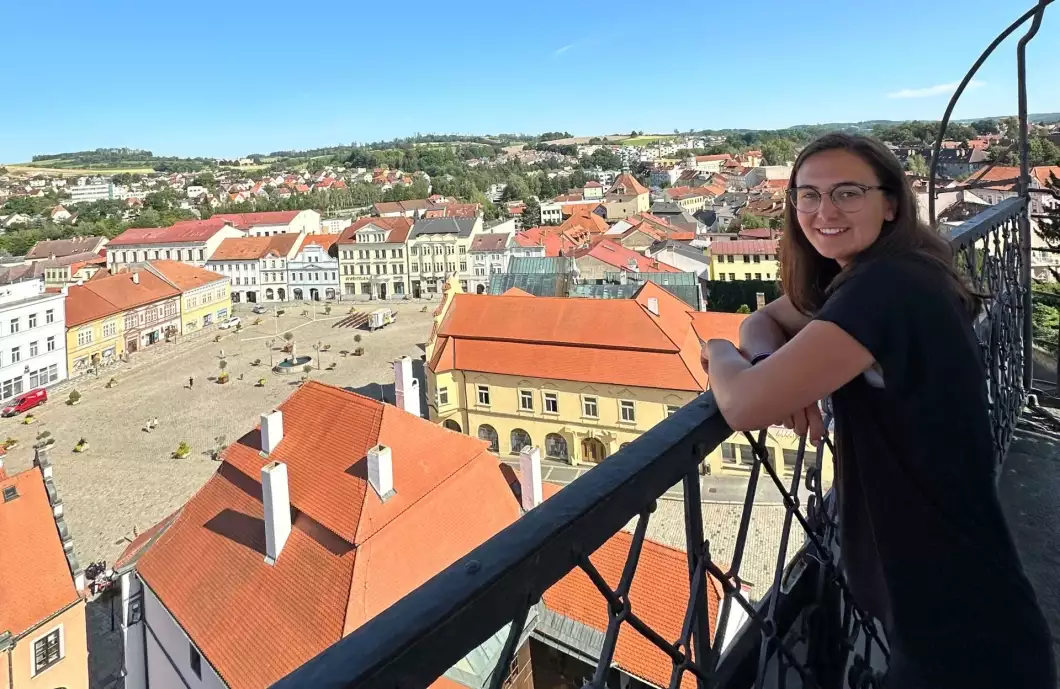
(1024, 191)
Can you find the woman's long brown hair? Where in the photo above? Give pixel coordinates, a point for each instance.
(808, 278)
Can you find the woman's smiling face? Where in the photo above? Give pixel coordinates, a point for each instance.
(840, 207)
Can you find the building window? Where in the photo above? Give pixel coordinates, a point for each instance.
(484, 395)
(196, 660)
(520, 439)
(110, 329)
(489, 434)
(16, 355)
(671, 409)
(556, 446)
(627, 411)
(526, 400)
(758, 276)
(443, 396)
(728, 453)
(463, 266)
(551, 403)
(51, 343)
(47, 650)
(84, 337)
(33, 320)
(14, 325)
(746, 276)
(53, 371)
(589, 407)
(33, 349)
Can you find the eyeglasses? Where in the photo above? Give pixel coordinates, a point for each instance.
(849, 198)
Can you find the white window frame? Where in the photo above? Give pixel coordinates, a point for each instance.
(550, 397)
(33, 671)
(671, 409)
(443, 396)
(524, 397)
(627, 408)
(595, 401)
(483, 391)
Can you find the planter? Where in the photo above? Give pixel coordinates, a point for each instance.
(73, 403)
(10, 444)
(29, 419)
(81, 448)
(261, 382)
(180, 455)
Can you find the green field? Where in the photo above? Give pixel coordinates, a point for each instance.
(645, 140)
(51, 169)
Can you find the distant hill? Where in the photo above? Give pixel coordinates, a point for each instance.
(117, 159)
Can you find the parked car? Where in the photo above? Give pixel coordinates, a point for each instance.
(25, 402)
(230, 323)
(259, 309)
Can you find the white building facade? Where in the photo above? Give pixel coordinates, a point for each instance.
(313, 273)
(32, 337)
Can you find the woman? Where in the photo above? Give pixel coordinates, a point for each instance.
(875, 316)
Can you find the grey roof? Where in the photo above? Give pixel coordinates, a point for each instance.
(60, 261)
(707, 217)
(493, 242)
(64, 247)
(540, 264)
(678, 247)
(458, 226)
(665, 208)
(537, 284)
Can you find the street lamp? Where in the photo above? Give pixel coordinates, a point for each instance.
(269, 344)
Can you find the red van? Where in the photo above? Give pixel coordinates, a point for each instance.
(25, 402)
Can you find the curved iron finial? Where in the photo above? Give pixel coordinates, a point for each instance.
(1037, 11)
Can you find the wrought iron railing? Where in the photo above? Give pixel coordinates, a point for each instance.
(806, 631)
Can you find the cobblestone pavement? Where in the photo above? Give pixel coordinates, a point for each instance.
(128, 481)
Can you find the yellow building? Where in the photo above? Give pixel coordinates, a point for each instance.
(206, 296)
(43, 636)
(744, 259)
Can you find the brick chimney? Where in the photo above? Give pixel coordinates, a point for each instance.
(271, 430)
(530, 477)
(406, 387)
(276, 499)
(381, 471)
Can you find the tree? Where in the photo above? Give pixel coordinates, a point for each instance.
(917, 165)
(532, 214)
(751, 221)
(743, 308)
(605, 159)
(985, 126)
(778, 151)
(1045, 317)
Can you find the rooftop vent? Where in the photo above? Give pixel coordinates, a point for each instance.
(10, 493)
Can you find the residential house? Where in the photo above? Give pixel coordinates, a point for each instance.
(626, 197)
(959, 162)
(551, 213)
(47, 249)
(687, 198)
(32, 338)
(521, 371)
(437, 250)
(709, 163)
(606, 256)
(60, 214)
(274, 222)
(191, 241)
(1000, 183)
(71, 269)
(257, 266)
(205, 296)
(335, 225)
(676, 215)
(489, 256)
(744, 259)
(372, 259)
(114, 315)
(409, 209)
(681, 256)
(313, 272)
(43, 630)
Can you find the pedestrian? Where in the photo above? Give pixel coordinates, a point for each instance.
(191, 382)
(872, 299)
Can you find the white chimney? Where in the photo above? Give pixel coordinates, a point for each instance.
(271, 430)
(653, 305)
(530, 477)
(276, 498)
(406, 387)
(381, 471)
(136, 278)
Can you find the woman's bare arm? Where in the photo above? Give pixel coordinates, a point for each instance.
(767, 329)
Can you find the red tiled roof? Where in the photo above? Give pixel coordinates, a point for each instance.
(620, 257)
(996, 173)
(708, 158)
(106, 295)
(629, 183)
(398, 228)
(324, 241)
(340, 567)
(179, 233)
(744, 247)
(593, 184)
(250, 248)
(712, 325)
(1042, 173)
(35, 579)
(516, 292)
(185, 276)
(245, 221)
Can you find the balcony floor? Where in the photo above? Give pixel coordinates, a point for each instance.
(1030, 496)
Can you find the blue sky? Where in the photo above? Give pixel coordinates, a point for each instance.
(231, 78)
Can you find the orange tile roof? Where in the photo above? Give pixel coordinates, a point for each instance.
(324, 241)
(711, 325)
(717, 156)
(35, 579)
(516, 292)
(182, 232)
(251, 248)
(629, 183)
(659, 593)
(744, 246)
(1042, 173)
(622, 258)
(340, 567)
(106, 295)
(585, 220)
(397, 228)
(245, 221)
(996, 173)
(184, 275)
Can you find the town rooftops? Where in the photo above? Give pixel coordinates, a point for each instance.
(107, 295)
(324, 241)
(493, 242)
(619, 342)
(461, 227)
(746, 247)
(614, 254)
(184, 232)
(185, 276)
(245, 221)
(35, 578)
(57, 248)
(627, 184)
(401, 206)
(397, 229)
(350, 554)
(253, 248)
(73, 260)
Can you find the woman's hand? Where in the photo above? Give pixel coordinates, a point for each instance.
(805, 421)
